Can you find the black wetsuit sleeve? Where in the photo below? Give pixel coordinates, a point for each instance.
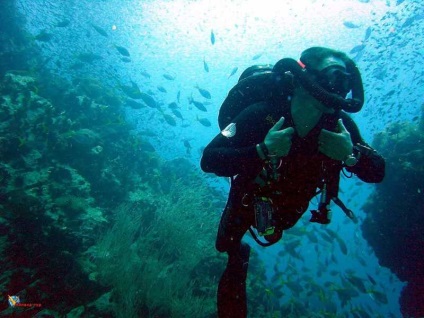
(238, 155)
(371, 165)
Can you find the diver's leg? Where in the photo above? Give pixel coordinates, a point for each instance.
(231, 297)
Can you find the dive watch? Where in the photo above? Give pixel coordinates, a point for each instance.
(350, 160)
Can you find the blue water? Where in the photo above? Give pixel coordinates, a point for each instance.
(174, 38)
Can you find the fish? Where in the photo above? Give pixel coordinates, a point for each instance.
(168, 77)
(204, 121)
(379, 296)
(367, 33)
(359, 313)
(146, 146)
(339, 240)
(132, 91)
(123, 51)
(134, 104)
(294, 287)
(233, 71)
(100, 30)
(145, 74)
(350, 25)
(187, 146)
(333, 258)
(205, 66)
(89, 57)
(125, 59)
(334, 272)
(345, 295)
(371, 279)
(178, 96)
(312, 237)
(362, 261)
(268, 291)
(63, 23)
(173, 105)
(297, 231)
(290, 248)
(212, 37)
(412, 19)
(356, 282)
(332, 233)
(203, 92)
(148, 133)
(149, 100)
(76, 66)
(177, 113)
(161, 89)
(327, 237)
(198, 105)
(390, 93)
(169, 119)
(358, 56)
(44, 36)
(257, 56)
(342, 245)
(357, 48)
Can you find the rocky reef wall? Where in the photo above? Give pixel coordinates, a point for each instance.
(394, 225)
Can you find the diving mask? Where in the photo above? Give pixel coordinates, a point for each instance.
(334, 79)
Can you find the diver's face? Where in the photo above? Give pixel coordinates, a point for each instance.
(329, 64)
(332, 75)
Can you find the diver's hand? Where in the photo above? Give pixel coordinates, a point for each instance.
(336, 145)
(278, 142)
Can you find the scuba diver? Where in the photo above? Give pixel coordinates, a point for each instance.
(285, 137)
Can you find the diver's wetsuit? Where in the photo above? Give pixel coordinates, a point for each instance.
(301, 173)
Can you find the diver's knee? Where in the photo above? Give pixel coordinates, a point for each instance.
(226, 244)
(220, 246)
(244, 250)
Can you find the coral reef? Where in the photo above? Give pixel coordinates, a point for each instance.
(102, 226)
(156, 243)
(394, 225)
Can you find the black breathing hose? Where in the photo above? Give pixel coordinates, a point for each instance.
(350, 105)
